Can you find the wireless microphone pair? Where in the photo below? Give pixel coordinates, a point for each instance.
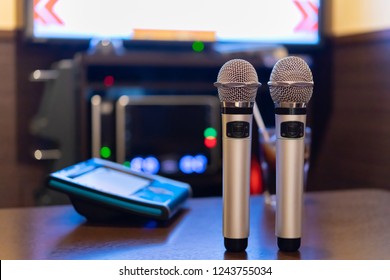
(291, 87)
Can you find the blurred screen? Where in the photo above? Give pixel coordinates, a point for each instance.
(169, 139)
(265, 21)
(112, 181)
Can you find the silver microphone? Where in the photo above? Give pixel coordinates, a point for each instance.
(291, 87)
(237, 85)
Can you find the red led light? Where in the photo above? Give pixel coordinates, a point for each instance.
(108, 81)
(210, 142)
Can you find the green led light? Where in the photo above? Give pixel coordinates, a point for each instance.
(105, 152)
(197, 46)
(126, 163)
(210, 132)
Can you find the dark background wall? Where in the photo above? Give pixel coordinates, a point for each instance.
(20, 175)
(355, 151)
(8, 135)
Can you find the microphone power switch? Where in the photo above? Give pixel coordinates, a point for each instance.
(292, 129)
(237, 129)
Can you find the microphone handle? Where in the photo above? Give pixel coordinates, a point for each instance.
(236, 147)
(290, 145)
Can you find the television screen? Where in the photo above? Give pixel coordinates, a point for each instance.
(250, 21)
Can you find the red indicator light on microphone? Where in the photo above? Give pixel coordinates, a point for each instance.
(108, 81)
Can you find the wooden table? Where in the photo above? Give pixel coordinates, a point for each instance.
(353, 224)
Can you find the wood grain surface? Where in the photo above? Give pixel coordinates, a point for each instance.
(348, 224)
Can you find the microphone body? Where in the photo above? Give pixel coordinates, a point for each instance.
(290, 146)
(291, 87)
(236, 153)
(237, 85)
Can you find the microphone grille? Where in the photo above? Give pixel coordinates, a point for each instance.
(291, 69)
(237, 71)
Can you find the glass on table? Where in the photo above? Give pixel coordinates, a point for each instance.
(268, 162)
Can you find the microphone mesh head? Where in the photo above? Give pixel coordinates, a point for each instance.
(237, 71)
(291, 69)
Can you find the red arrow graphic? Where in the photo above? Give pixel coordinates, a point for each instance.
(44, 12)
(315, 9)
(50, 6)
(309, 11)
(37, 16)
